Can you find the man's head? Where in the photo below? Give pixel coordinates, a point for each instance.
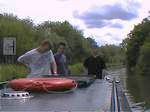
(94, 49)
(45, 46)
(61, 47)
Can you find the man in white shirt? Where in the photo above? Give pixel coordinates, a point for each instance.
(40, 60)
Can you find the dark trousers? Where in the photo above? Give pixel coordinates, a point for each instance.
(97, 75)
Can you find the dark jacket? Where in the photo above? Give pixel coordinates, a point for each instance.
(95, 65)
(61, 63)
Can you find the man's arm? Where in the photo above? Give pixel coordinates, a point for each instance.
(67, 71)
(53, 63)
(24, 59)
(54, 67)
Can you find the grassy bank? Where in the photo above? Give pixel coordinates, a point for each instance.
(76, 69)
(8, 72)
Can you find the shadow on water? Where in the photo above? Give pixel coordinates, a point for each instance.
(139, 87)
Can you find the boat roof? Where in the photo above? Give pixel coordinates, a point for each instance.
(96, 97)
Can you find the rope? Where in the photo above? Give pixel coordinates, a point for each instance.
(27, 87)
(46, 90)
(59, 92)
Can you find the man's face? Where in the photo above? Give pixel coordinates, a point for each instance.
(61, 49)
(94, 51)
(46, 48)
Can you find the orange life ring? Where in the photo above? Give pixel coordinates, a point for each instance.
(42, 84)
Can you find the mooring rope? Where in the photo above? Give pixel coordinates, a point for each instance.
(59, 92)
(48, 91)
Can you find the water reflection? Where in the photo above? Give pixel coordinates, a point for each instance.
(139, 88)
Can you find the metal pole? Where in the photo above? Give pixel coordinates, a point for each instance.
(115, 101)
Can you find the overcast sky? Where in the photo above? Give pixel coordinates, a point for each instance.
(107, 21)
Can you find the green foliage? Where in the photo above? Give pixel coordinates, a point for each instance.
(137, 48)
(23, 30)
(29, 36)
(112, 54)
(92, 41)
(143, 64)
(76, 69)
(133, 43)
(8, 72)
(77, 45)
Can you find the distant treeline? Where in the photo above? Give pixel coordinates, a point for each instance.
(137, 47)
(29, 35)
(113, 55)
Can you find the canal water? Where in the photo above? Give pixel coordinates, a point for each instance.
(136, 88)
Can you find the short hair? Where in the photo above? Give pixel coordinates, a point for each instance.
(61, 44)
(46, 42)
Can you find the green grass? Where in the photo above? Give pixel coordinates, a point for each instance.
(8, 71)
(76, 69)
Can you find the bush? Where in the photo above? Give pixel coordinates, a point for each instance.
(136, 39)
(143, 66)
(76, 69)
(8, 72)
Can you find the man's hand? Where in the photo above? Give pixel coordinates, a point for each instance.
(54, 68)
(55, 74)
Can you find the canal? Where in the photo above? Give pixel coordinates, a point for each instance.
(137, 89)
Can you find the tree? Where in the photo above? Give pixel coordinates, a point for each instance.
(23, 30)
(92, 41)
(136, 39)
(29, 35)
(77, 45)
(112, 54)
(143, 64)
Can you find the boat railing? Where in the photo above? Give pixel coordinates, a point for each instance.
(119, 101)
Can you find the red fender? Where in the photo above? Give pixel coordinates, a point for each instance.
(42, 84)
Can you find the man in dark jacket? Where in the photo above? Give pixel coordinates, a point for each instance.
(95, 64)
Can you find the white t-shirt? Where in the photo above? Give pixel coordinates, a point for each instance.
(38, 63)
